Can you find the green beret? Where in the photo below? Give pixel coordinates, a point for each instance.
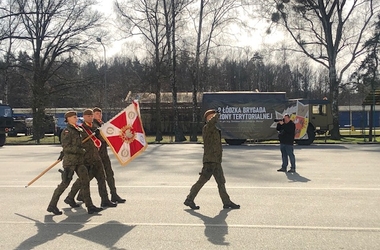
(209, 112)
(70, 113)
(96, 109)
(88, 112)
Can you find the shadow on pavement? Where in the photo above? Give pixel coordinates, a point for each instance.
(216, 228)
(295, 177)
(277, 145)
(49, 230)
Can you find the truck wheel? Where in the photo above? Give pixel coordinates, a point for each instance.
(311, 136)
(2, 140)
(235, 141)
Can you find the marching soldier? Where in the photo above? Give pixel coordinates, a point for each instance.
(106, 159)
(93, 163)
(73, 162)
(212, 163)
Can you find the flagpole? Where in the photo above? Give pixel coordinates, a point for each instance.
(105, 78)
(42, 173)
(55, 163)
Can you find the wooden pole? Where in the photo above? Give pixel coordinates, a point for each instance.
(43, 172)
(55, 163)
(88, 138)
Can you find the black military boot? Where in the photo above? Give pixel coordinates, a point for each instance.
(71, 202)
(117, 198)
(231, 205)
(54, 210)
(191, 204)
(108, 203)
(92, 209)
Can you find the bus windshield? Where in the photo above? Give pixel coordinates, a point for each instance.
(5, 111)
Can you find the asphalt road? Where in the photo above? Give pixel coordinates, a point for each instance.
(331, 203)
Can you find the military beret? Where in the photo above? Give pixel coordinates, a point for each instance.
(70, 113)
(88, 112)
(209, 112)
(96, 109)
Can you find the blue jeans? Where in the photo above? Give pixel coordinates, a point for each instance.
(287, 151)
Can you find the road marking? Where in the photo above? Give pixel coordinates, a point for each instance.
(319, 228)
(213, 186)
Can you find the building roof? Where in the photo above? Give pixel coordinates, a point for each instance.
(167, 97)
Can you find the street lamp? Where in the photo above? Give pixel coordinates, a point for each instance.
(105, 78)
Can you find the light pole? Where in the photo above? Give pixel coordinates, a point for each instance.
(105, 79)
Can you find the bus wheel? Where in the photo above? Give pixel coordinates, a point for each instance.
(235, 141)
(2, 140)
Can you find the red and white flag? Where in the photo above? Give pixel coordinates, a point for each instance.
(125, 134)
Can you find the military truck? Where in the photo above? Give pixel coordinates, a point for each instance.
(6, 122)
(250, 115)
(24, 125)
(19, 126)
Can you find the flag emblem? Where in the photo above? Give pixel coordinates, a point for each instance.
(125, 134)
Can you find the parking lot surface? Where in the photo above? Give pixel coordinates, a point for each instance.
(332, 202)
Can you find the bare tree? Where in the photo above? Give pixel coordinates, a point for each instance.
(52, 29)
(143, 18)
(171, 12)
(212, 17)
(155, 22)
(368, 71)
(328, 32)
(8, 25)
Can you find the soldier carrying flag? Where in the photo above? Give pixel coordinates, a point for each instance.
(73, 162)
(93, 162)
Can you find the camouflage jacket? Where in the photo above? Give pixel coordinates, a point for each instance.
(71, 140)
(212, 141)
(92, 152)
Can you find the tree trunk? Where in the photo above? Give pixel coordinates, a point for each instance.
(370, 123)
(38, 105)
(334, 88)
(178, 134)
(158, 111)
(196, 81)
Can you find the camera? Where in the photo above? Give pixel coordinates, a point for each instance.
(278, 120)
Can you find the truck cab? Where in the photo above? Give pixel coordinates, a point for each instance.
(6, 122)
(320, 119)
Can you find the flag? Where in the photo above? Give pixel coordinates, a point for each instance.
(125, 134)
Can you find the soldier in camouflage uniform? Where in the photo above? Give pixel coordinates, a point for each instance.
(72, 162)
(212, 159)
(93, 162)
(106, 159)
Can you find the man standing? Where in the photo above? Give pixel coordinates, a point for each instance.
(286, 132)
(103, 152)
(93, 163)
(212, 163)
(72, 162)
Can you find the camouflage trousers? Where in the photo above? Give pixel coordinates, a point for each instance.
(96, 170)
(211, 169)
(109, 172)
(68, 173)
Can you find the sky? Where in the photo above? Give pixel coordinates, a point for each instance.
(256, 39)
(105, 6)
